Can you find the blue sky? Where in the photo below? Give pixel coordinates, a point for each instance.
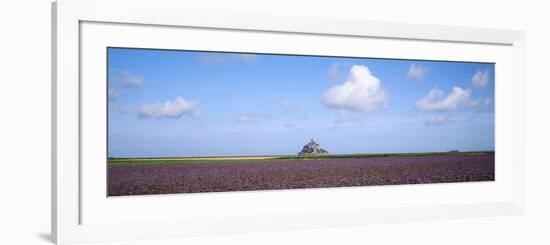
(183, 103)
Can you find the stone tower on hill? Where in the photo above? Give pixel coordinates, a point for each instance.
(312, 149)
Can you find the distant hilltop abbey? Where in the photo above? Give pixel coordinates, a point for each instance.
(312, 149)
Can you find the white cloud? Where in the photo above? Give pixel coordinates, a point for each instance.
(362, 92)
(128, 79)
(416, 72)
(246, 118)
(436, 100)
(480, 78)
(169, 109)
(113, 94)
(438, 120)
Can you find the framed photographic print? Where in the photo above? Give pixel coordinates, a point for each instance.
(200, 121)
(171, 122)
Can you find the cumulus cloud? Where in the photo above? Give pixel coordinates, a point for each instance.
(438, 120)
(129, 79)
(246, 118)
(480, 79)
(417, 72)
(169, 109)
(436, 100)
(361, 92)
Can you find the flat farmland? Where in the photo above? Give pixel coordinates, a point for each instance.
(144, 176)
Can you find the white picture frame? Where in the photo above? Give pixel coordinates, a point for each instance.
(68, 17)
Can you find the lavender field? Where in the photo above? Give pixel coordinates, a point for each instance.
(241, 174)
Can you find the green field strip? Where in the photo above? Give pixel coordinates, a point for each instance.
(244, 159)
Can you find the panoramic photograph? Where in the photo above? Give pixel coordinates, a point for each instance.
(182, 121)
